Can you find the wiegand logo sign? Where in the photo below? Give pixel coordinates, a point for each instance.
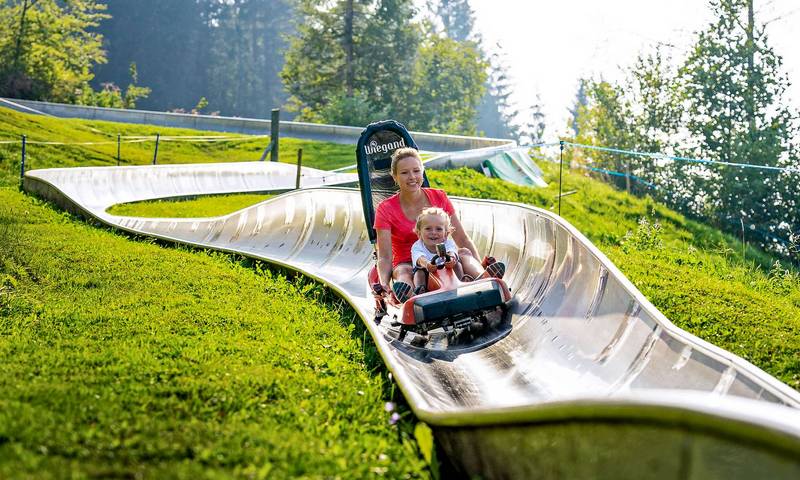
(374, 146)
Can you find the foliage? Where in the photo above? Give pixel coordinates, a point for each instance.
(447, 86)
(384, 44)
(647, 236)
(732, 93)
(457, 19)
(431, 82)
(533, 127)
(496, 113)
(579, 105)
(228, 52)
(355, 110)
(724, 104)
(606, 120)
(112, 96)
(48, 48)
(247, 40)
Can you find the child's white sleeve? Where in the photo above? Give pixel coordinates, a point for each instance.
(418, 250)
(450, 245)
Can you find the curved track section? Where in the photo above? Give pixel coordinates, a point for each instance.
(589, 379)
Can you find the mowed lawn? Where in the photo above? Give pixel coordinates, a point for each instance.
(126, 357)
(123, 357)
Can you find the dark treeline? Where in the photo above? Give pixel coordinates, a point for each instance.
(346, 62)
(226, 51)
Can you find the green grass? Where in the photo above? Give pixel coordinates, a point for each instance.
(127, 358)
(123, 357)
(323, 155)
(206, 206)
(693, 273)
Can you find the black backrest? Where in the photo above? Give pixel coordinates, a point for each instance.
(374, 158)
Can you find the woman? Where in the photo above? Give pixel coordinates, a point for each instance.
(395, 219)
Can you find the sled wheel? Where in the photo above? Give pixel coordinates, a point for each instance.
(402, 335)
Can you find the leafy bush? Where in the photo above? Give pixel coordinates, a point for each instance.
(646, 237)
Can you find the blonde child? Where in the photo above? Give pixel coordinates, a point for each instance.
(433, 227)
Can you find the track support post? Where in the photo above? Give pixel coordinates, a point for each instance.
(274, 125)
(155, 153)
(560, 168)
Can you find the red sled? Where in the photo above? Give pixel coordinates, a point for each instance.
(449, 303)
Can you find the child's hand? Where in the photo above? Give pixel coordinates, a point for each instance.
(430, 267)
(451, 262)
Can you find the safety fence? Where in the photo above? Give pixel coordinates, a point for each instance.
(780, 233)
(25, 156)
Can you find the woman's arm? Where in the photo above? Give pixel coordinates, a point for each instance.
(461, 238)
(384, 246)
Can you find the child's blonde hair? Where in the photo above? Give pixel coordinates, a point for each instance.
(435, 211)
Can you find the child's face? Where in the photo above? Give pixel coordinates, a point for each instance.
(432, 230)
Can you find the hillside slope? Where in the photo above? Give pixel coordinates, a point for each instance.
(252, 374)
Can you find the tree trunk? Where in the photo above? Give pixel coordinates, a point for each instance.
(348, 47)
(751, 51)
(21, 34)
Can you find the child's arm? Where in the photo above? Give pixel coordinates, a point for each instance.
(418, 256)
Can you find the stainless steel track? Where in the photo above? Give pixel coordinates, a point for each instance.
(588, 373)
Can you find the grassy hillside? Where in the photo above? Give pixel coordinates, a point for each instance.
(322, 155)
(694, 274)
(125, 357)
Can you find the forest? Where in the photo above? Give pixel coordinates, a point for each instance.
(345, 62)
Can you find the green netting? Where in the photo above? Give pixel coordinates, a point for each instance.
(514, 166)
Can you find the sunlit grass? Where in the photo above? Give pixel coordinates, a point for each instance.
(204, 206)
(694, 274)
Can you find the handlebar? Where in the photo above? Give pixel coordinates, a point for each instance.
(441, 256)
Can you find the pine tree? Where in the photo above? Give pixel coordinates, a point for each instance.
(384, 44)
(457, 19)
(578, 105)
(532, 131)
(496, 114)
(732, 91)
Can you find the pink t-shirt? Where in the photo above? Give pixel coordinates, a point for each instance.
(389, 216)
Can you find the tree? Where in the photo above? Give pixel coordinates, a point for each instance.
(732, 90)
(319, 69)
(246, 54)
(606, 121)
(448, 83)
(457, 19)
(532, 130)
(496, 114)
(578, 106)
(48, 48)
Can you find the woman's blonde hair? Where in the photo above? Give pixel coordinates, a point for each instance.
(437, 212)
(402, 153)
